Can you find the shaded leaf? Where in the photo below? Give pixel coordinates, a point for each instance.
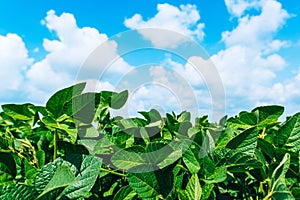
(288, 135)
(56, 102)
(245, 142)
(125, 193)
(18, 192)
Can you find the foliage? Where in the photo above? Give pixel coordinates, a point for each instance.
(74, 149)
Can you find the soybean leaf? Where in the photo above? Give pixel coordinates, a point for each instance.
(83, 107)
(288, 135)
(7, 169)
(69, 129)
(279, 189)
(260, 117)
(145, 184)
(177, 149)
(191, 158)
(124, 159)
(245, 142)
(206, 191)
(20, 112)
(56, 102)
(16, 192)
(157, 152)
(268, 115)
(62, 177)
(151, 116)
(85, 179)
(47, 172)
(235, 161)
(282, 168)
(184, 116)
(244, 120)
(193, 189)
(113, 99)
(118, 100)
(219, 175)
(125, 193)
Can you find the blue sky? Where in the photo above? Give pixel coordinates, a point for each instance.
(253, 44)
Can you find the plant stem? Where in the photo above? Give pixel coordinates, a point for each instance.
(55, 145)
(112, 172)
(5, 151)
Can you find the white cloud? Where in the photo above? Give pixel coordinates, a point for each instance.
(258, 31)
(66, 59)
(14, 61)
(238, 7)
(183, 20)
(250, 64)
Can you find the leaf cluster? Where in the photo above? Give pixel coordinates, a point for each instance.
(72, 148)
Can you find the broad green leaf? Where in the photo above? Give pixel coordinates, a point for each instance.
(70, 131)
(296, 192)
(127, 124)
(288, 135)
(165, 178)
(191, 158)
(245, 142)
(18, 192)
(280, 191)
(103, 146)
(113, 99)
(219, 175)
(260, 117)
(244, 120)
(177, 149)
(85, 179)
(206, 191)
(184, 116)
(125, 193)
(266, 147)
(20, 112)
(157, 152)
(225, 136)
(126, 160)
(72, 178)
(67, 148)
(193, 189)
(235, 161)
(7, 169)
(268, 115)
(30, 172)
(62, 177)
(144, 135)
(57, 101)
(47, 172)
(83, 107)
(282, 168)
(40, 155)
(5, 142)
(110, 192)
(118, 100)
(151, 116)
(145, 184)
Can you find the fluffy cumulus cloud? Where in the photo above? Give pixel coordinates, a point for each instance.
(14, 61)
(238, 7)
(74, 51)
(166, 91)
(258, 30)
(184, 20)
(250, 63)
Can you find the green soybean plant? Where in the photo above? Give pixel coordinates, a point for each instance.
(74, 148)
